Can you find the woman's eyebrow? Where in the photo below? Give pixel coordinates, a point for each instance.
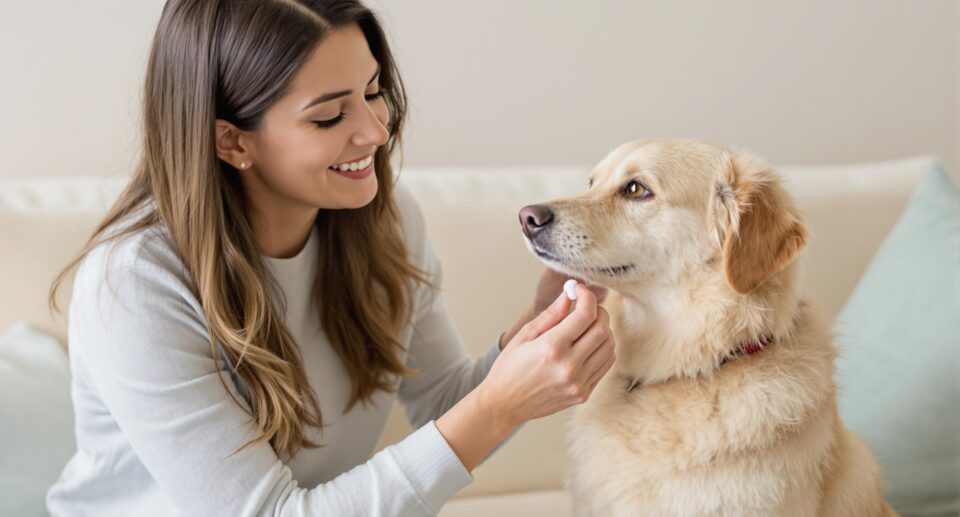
(336, 95)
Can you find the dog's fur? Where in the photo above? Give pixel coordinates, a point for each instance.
(705, 264)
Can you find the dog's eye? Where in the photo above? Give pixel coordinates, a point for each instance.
(637, 190)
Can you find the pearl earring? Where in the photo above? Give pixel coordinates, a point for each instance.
(243, 165)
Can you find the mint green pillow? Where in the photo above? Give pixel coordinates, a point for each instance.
(899, 341)
(36, 418)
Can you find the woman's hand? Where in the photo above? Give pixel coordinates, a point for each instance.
(553, 362)
(551, 285)
(548, 288)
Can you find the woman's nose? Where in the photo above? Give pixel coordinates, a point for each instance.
(372, 131)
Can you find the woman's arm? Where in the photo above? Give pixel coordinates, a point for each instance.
(445, 386)
(143, 346)
(476, 419)
(553, 362)
(474, 428)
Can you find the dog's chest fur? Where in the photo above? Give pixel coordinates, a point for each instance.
(749, 439)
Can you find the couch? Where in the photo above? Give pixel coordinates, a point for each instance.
(471, 215)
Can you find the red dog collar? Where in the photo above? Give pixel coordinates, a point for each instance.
(746, 348)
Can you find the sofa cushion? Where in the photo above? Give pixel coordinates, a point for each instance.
(36, 428)
(899, 338)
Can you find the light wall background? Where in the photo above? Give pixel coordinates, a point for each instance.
(502, 82)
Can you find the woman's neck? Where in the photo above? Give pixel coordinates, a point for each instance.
(282, 231)
(281, 225)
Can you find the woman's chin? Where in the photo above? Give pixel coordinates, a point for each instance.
(359, 194)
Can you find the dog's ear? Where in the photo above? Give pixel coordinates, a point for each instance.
(762, 229)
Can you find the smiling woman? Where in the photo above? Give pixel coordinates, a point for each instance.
(270, 292)
(307, 149)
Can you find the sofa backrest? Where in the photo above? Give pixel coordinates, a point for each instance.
(489, 275)
(472, 218)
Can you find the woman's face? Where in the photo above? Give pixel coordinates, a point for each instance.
(332, 117)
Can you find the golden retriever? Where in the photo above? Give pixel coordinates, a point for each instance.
(722, 399)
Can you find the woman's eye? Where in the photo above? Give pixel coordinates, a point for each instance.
(329, 122)
(637, 190)
(339, 118)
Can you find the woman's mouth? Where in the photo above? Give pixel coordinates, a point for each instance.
(356, 169)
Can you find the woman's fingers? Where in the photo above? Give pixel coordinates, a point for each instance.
(591, 340)
(599, 291)
(600, 363)
(600, 355)
(545, 320)
(577, 322)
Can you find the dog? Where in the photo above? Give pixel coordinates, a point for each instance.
(722, 400)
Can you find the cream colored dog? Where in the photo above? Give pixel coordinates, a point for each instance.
(722, 399)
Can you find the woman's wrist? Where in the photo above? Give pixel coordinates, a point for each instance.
(495, 410)
(475, 426)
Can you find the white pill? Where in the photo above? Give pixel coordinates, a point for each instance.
(570, 287)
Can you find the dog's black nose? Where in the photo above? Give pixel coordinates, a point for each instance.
(534, 219)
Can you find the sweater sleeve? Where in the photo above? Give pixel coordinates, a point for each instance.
(143, 342)
(445, 371)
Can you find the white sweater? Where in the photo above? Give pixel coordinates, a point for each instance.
(154, 424)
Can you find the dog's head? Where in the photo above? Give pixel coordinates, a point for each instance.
(667, 212)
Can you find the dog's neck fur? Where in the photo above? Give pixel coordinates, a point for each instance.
(683, 331)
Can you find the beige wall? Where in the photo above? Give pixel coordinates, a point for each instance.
(502, 82)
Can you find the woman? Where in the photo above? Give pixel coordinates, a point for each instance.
(247, 311)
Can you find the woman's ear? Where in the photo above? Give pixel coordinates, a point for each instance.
(230, 145)
(764, 231)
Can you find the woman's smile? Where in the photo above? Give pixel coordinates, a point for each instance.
(357, 169)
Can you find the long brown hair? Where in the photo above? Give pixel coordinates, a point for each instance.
(232, 59)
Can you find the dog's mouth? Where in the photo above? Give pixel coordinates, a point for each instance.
(611, 271)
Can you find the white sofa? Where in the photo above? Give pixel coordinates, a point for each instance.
(489, 276)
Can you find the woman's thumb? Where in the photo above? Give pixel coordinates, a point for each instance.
(545, 320)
